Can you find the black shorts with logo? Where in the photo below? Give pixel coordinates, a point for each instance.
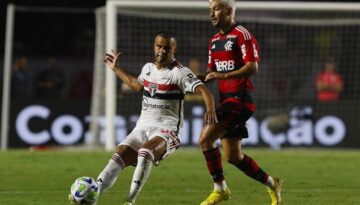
(233, 117)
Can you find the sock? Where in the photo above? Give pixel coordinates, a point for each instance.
(270, 182)
(214, 165)
(220, 186)
(141, 173)
(251, 169)
(109, 174)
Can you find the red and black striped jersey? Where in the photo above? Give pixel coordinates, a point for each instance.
(228, 52)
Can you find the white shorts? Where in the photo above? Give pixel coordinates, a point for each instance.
(142, 134)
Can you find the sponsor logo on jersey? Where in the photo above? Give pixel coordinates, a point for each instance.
(243, 50)
(256, 55)
(146, 105)
(230, 36)
(191, 78)
(225, 65)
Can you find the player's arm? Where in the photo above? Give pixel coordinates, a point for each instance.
(111, 60)
(210, 115)
(202, 77)
(249, 69)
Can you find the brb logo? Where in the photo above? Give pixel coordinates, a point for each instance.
(222, 66)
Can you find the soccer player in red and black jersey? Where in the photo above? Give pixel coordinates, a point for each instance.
(233, 59)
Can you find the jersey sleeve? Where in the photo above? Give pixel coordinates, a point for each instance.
(188, 80)
(211, 64)
(249, 49)
(145, 69)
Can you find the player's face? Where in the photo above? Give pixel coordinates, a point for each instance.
(219, 13)
(164, 50)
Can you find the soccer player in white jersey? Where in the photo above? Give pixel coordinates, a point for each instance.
(156, 135)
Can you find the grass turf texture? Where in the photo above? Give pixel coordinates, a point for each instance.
(312, 176)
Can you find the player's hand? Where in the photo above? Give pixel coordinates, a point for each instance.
(111, 59)
(214, 75)
(210, 117)
(201, 77)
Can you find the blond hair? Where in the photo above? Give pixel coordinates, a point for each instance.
(228, 3)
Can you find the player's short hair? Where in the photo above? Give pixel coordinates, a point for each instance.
(231, 4)
(228, 3)
(167, 34)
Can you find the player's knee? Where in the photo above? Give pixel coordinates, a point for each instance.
(146, 153)
(118, 149)
(205, 142)
(121, 149)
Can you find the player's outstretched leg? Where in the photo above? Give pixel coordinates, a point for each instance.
(141, 174)
(275, 191)
(109, 174)
(221, 192)
(250, 167)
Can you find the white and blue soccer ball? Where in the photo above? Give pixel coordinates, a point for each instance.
(84, 191)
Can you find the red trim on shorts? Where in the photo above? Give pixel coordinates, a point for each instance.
(248, 105)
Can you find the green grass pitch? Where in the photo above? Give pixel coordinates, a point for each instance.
(312, 177)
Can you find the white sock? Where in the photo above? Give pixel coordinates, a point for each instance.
(109, 174)
(141, 173)
(270, 182)
(220, 186)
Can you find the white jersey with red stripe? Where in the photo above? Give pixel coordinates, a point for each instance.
(163, 95)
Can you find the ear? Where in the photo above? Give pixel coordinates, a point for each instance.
(229, 11)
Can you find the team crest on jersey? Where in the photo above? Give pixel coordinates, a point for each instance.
(153, 87)
(228, 45)
(230, 36)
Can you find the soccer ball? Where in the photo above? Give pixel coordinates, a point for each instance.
(84, 191)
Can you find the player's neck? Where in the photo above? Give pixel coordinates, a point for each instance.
(226, 27)
(164, 65)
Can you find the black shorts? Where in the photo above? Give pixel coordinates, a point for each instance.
(233, 117)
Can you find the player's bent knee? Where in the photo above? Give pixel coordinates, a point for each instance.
(206, 143)
(146, 153)
(118, 148)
